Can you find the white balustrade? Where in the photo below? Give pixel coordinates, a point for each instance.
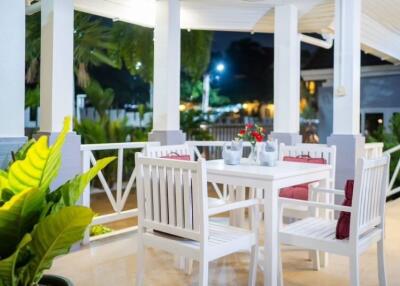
(117, 201)
(393, 177)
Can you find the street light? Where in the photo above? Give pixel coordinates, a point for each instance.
(220, 67)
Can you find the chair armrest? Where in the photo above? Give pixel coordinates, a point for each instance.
(232, 206)
(284, 201)
(328, 191)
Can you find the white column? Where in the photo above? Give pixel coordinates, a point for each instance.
(286, 70)
(56, 69)
(167, 64)
(347, 63)
(12, 68)
(206, 93)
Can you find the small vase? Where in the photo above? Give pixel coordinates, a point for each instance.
(253, 153)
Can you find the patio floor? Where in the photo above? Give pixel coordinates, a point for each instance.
(112, 261)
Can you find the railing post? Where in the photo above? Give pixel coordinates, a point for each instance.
(86, 192)
(119, 178)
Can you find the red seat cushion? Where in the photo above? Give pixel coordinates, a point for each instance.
(176, 156)
(343, 224)
(299, 192)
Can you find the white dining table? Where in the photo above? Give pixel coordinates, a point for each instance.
(271, 179)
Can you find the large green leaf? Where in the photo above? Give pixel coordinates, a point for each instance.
(54, 236)
(40, 165)
(70, 192)
(21, 152)
(7, 265)
(17, 217)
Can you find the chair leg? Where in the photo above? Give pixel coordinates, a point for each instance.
(203, 272)
(140, 260)
(188, 266)
(355, 270)
(381, 264)
(253, 265)
(314, 256)
(280, 269)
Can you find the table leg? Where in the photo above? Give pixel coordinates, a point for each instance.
(271, 243)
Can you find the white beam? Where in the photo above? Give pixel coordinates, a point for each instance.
(12, 68)
(379, 40)
(167, 55)
(286, 70)
(56, 69)
(347, 64)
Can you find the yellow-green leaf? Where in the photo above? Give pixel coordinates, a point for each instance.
(70, 192)
(40, 165)
(54, 236)
(17, 217)
(7, 265)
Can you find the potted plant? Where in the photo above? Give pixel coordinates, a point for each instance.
(36, 224)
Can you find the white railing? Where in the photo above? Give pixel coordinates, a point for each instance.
(117, 201)
(373, 150)
(393, 177)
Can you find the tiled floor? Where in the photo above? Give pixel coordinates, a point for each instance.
(112, 262)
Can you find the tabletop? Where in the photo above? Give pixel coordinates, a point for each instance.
(248, 169)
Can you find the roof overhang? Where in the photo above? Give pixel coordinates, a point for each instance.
(380, 27)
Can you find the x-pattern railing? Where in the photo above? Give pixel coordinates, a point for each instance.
(117, 201)
(393, 177)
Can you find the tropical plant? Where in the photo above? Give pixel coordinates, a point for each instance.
(32, 97)
(191, 122)
(390, 139)
(192, 91)
(100, 98)
(136, 50)
(37, 225)
(93, 45)
(196, 52)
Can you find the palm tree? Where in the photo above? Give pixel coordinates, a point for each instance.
(136, 48)
(93, 45)
(32, 49)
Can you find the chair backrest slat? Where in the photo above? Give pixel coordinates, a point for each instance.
(172, 196)
(369, 195)
(168, 150)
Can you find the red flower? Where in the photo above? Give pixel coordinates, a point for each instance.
(249, 126)
(242, 132)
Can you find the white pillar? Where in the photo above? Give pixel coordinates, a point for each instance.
(12, 68)
(56, 68)
(347, 65)
(286, 74)
(57, 81)
(346, 90)
(167, 64)
(206, 93)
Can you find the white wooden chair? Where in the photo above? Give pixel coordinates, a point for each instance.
(173, 216)
(182, 149)
(366, 222)
(299, 211)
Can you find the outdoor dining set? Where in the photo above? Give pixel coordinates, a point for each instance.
(286, 200)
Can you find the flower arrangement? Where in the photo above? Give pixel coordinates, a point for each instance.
(252, 133)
